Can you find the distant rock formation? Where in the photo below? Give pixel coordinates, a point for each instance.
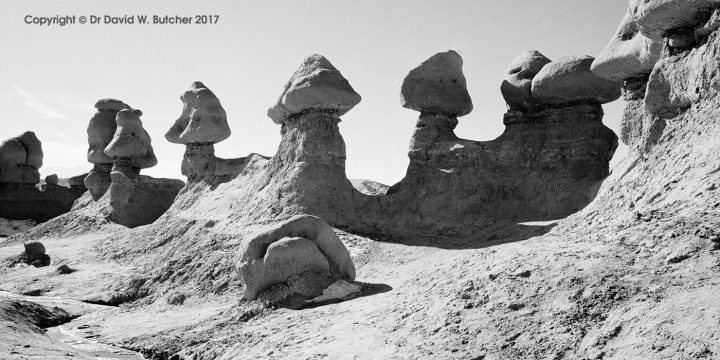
(119, 147)
(295, 259)
(20, 160)
(369, 187)
(100, 132)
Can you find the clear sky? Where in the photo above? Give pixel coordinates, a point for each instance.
(53, 75)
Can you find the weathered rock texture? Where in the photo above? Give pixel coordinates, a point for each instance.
(629, 54)
(296, 258)
(202, 123)
(437, 85)
(683, 76)
(655, 18)
(20, 160)
(317, 85)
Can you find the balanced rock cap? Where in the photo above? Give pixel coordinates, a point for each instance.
(655, 17)
(203, 119)
(569, 79)
(629, 53)
(316, 84)
(519, 74)
(130, 139)
(437, 85)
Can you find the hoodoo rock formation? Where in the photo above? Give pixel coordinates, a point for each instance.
(295, 259)
(307, 174)
(546, 164)
(633, 274)
(20, 160)
(134, 199)
(100, 132)
(202, 123)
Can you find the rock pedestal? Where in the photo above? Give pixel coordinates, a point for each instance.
(140, 200)
(98, 180)
(310, 162)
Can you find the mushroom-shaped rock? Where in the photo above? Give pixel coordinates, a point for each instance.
(629, 54)
(203, 119)
(569, 79)
(101, 129)
(33, 147)
(316, 84)
(437, 85)
(656, 17)
(131, 141)
(518, 78)
(12, 154)
(301, 248)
